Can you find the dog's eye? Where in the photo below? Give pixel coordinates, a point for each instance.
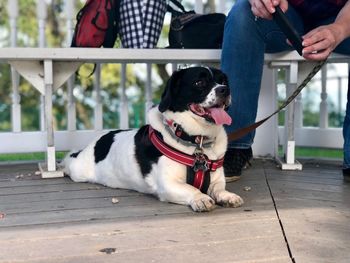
(223, 82)
(199, 83)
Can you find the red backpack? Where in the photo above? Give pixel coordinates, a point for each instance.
(97, 24)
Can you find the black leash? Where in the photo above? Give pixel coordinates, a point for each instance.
(243, 131)
(293, 36)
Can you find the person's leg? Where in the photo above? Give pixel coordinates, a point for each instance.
(245, 42)
(344, 48)
(346, 136)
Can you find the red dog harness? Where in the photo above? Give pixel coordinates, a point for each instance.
(199, 162)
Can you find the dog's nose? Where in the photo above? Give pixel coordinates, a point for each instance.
(222, 91)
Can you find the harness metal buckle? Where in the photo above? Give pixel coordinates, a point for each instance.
(201, 162)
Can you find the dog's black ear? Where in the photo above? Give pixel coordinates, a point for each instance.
(170, 91)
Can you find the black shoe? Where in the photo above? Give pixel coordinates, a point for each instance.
(346, 174)
(235, 160)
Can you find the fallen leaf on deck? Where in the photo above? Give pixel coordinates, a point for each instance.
(115, 200)
(247, 188)
(108, 250)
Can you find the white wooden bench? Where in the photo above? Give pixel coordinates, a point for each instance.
(298, 69)
(48, 68)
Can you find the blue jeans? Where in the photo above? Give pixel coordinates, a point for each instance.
(245, 42)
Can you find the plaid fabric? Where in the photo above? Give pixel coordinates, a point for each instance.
(141, 22)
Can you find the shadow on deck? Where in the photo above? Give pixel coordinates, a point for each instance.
(294, 216)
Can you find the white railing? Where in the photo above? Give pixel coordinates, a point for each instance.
(47, 69)
(294, 133)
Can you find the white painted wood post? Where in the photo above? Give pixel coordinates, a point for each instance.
(289, 162)
(198, 7)
(48, 81)
(289, 147)
(340, 93)
(42, 16)
(221, 6)
(324, 103)
(71, 106)
(98, 110)
(174, 66)
(70, 19)
(123, 107)
(12, 8)
(265, 146)
(149, 90)
(298, 113)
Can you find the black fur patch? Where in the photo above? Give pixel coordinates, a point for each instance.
(75, 155)
(191, 85)
(145, 152)
(103, 145)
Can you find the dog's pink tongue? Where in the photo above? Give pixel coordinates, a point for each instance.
(220, 116)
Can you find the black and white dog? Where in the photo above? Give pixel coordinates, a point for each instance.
(178, 157)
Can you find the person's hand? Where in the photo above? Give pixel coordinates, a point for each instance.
(265, 8)
(321, 41)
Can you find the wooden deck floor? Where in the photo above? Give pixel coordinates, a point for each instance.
(287, 217)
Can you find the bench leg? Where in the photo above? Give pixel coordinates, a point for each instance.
(288, 162)
(49, 170)
(266, 146)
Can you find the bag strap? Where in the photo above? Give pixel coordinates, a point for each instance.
(243, 131)
(177, 4)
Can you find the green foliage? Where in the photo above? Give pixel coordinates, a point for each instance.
(83, 86)
(314, 152)
(28, 156)
(5, 99)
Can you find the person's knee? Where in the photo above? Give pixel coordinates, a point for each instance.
(240, 16)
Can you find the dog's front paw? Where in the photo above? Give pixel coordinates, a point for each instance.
(227, 199)
(202, 203)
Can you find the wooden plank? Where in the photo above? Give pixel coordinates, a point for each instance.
(10, 171)
(314, 208)
(109, 55)
(316, 230)
(60, 195)
(135, 55)
(308, 173)
(81, 215)
(73, 224)
(287, 189)
(306, 178)
(133, 207)
(48, 188)
(208, 237)
(80, 203)
(35, 180)
(278, 184)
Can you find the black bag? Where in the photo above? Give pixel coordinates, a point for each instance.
(191, 30)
